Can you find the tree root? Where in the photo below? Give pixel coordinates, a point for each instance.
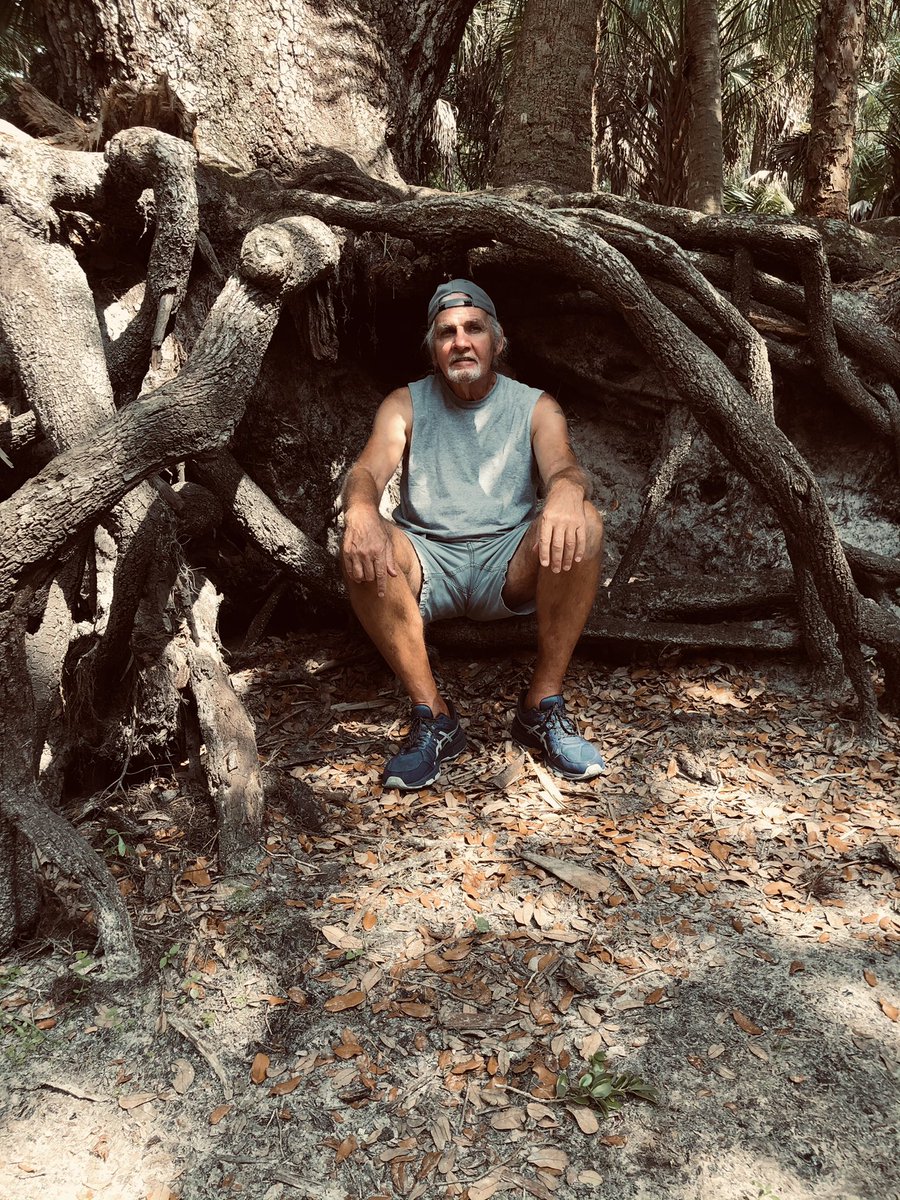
(50, 833)
(266, 525)
(191, 415)
(142, 158)
(231, 764)
(601, 631)
(675, 444)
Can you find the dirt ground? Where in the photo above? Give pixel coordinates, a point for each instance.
(385, 1008)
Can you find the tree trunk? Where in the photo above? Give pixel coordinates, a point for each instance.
(546, 130)
(704, 74)
(840, 35)
(264, 85)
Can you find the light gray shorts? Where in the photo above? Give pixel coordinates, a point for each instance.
(465, 579)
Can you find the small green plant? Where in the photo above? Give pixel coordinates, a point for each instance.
(482, 925)
(84, 963)
(115, 843)
(597, 1088)
(168, 956)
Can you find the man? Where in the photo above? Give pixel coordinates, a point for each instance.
(467, 538)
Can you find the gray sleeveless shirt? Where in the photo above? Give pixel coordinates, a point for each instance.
(468, 469)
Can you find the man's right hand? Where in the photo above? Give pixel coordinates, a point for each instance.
(367, 549)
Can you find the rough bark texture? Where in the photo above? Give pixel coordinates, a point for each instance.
(231, 762)
(268, 84)
(546, 131)
(840, 34)
(703, 190)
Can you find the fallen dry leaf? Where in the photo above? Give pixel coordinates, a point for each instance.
(587, 1120)
(891, 1011)
(284, 1087)
(197, 877)
(745, 1023)
(259, 1067)
(184, 1076)
(549, 1158)
(487, 1186)
(871, 978)
(345, 1149)
(614, 1139)
(219, 1112)
(508, 1118)
(344, 1001)
(413, 1008)
(100, 1148)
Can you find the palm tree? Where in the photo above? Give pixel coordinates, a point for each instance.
(703, 190)
(840, 34)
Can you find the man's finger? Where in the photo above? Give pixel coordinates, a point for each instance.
(355, 568)
(545, 543)
(569, 548)
(389, 561)
(380, 573)
(557, 546)
(580, 543)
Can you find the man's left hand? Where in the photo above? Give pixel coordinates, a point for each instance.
(561, 529)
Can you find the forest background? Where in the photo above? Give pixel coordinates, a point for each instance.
(219, 230)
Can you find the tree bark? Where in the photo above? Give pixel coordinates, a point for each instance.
(231, 763)
(704, 166)
(266, 85)
(840, 35)
(546, 129)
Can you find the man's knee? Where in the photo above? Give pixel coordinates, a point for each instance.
(593, 534)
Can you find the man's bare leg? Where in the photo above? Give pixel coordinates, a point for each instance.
(395, 625)
(564, 600)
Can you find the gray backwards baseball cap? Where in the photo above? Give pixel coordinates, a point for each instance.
(472, 297)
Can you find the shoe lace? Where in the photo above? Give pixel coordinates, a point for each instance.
(557, 721)
(421, 734)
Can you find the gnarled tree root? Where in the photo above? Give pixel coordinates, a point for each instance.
(231, 763)
(49, 832)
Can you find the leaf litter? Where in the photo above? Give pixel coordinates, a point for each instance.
(395, 995)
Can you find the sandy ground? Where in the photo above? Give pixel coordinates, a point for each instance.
(385, 1007)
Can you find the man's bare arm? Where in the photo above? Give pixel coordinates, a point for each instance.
(366, 548)
(561, 533)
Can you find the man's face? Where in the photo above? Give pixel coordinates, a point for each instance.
(463, 344)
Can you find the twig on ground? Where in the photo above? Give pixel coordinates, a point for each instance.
(204, 1051)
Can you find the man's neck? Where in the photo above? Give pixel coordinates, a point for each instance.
(471, 393)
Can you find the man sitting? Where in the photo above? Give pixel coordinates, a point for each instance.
(468, 539)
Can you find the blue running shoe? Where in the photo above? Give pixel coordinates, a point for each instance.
(551, 729)
(431, 741)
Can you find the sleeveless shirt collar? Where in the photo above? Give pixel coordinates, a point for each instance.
(467, 404)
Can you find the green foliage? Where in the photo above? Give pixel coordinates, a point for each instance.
(167, 958)
(115, 843)
(598, 1089)
(84, 963)
(18, 38)
(476, 87)
(761, 193)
